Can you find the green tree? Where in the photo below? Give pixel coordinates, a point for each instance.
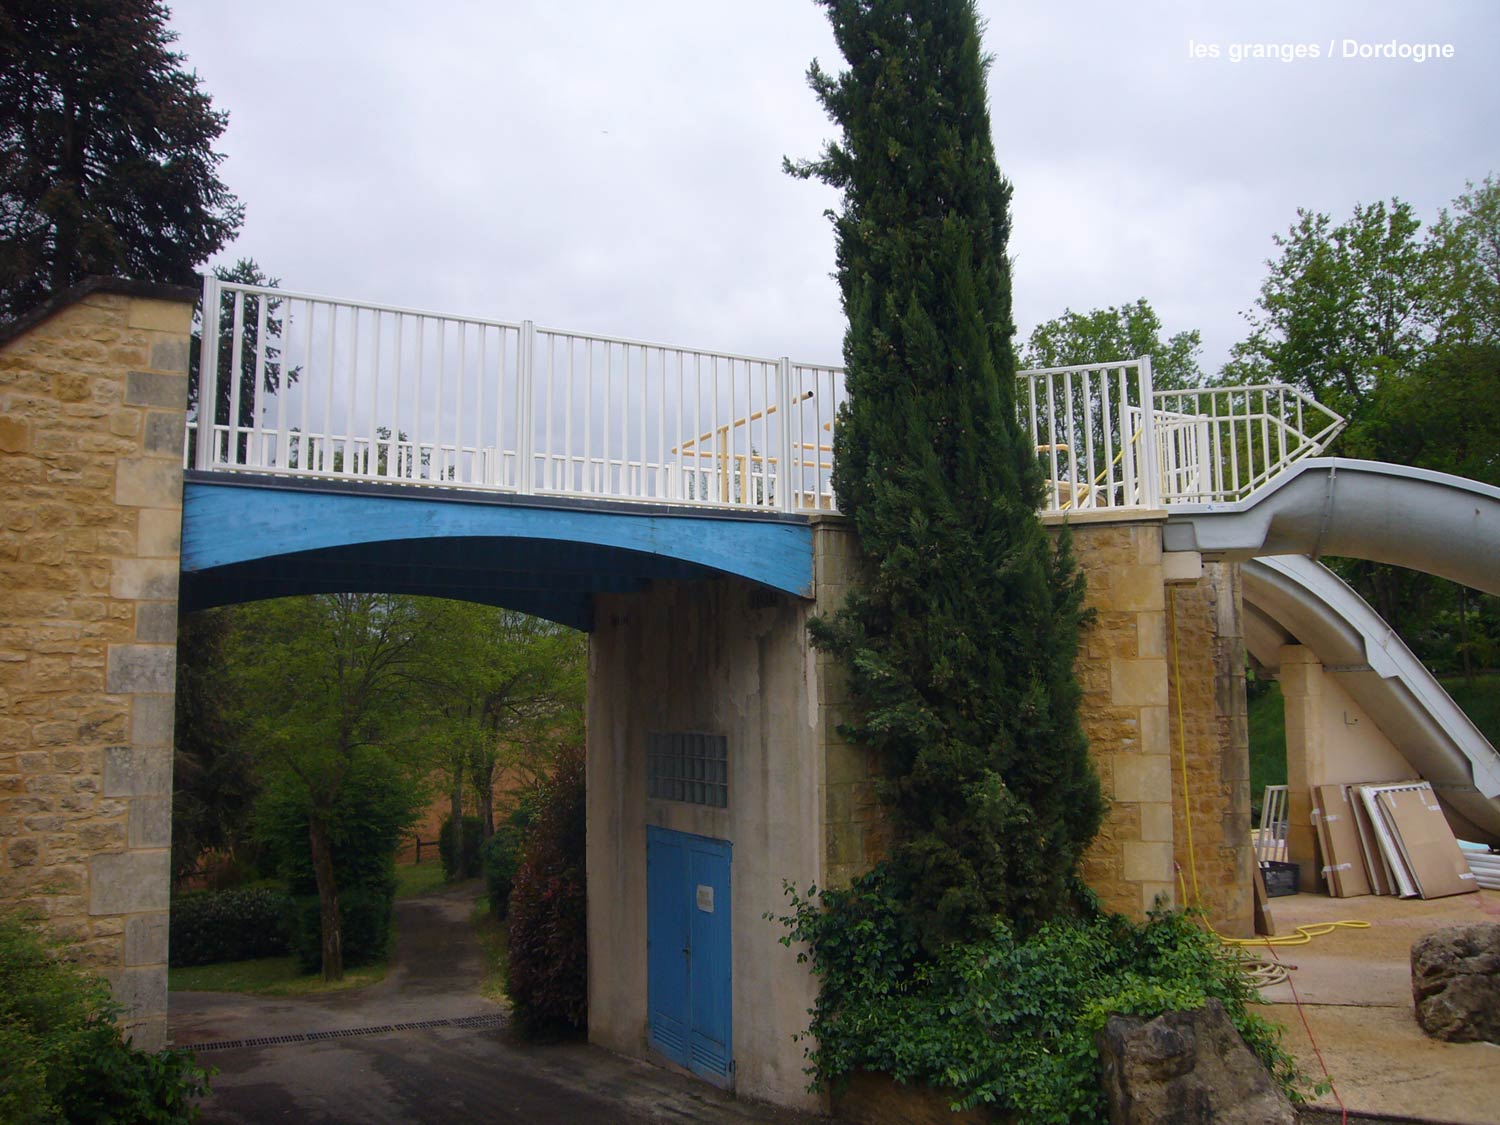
(1465, 248)
(213, 779)
(500, 690)
(245, 271)
(1341, 310)
(1116, 333)
(961, 634)
(321, 680)
(106, 158)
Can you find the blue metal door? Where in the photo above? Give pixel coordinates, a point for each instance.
(688, 967)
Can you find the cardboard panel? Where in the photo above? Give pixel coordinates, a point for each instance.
(1345, 854)
(1375, 869)
(1431, 852)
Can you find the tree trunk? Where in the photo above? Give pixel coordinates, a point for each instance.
(1463, 635)
(328, 899)
(456, 823)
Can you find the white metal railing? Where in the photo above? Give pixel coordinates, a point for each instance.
(313, 386)
(1217, 444)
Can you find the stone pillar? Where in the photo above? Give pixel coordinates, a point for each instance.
(93, 392)
(1123, 672)
(1206, 653)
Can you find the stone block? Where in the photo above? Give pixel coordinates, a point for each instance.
(1147, 861)
(1151, 636)
(152, 388)
(156, 623)
(1155, 724)
(15, 436)
(1156, 821)
(1181, 566)
(1137, 683)
(141, 668)
(142, 991)
(146, 939)
(150, 822)
(148, 482)
(144, 579)
(130, 883)
(131, 771)
(1142, 777)
(169, 353)
(151, 720)
(165, 432)
(1134, 588)
(172, 317)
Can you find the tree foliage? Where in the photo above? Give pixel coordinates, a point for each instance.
(547, 976)
(1117, 333)
(106, 157)
(64, 1059)
(322, 679)
(1005, 1021)
(1397, 329)
(961, 634)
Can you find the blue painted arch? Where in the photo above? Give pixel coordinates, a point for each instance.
(245, 538)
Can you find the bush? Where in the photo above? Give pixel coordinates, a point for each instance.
(473, 837)
(228, 926)
(548, 958)
(364, 925)
(1005, 1021)
(501, 853)
(62, 1059)
(375, 806)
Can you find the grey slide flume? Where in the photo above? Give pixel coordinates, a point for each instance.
(1434, 522)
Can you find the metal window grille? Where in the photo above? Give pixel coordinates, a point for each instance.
(689, 767)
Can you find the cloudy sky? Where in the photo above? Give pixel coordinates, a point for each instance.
(614, 167)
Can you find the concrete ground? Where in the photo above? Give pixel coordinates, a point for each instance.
(1355, 988)
(344, 1057)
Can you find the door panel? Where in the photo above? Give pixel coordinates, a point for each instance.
(667, 943)
(689, 950)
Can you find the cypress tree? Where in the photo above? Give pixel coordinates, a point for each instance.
(961, 638)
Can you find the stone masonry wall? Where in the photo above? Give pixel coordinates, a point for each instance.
(1207, 680)
(92, 408)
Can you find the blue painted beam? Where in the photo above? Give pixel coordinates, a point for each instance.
(256, 537)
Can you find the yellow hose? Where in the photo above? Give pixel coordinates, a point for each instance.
(1303, 934)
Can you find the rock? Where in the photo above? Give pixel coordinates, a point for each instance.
(1183, 1068)
(1455, 982)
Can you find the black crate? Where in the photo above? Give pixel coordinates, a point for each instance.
(1281, 878)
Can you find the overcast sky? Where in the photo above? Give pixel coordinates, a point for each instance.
(615, 167)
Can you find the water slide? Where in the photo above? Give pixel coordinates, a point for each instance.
(1433, 522)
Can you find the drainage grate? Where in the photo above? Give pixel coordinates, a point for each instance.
(466, 1023)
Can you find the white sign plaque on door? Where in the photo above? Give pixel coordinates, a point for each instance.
(705, 898)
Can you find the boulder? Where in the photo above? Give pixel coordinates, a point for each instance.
(1183, 1068)
(1455, 982)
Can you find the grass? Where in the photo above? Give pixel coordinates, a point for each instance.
(492, 935)
(268, 976)
(1267, 742)
(1481, 701)
(418, 878)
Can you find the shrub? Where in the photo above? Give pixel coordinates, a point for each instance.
(62, 1059)
(228, 926)
(548, 958)
(364, 925)
(473, 837)
(375, 806)
(1005, 1021)
(501, 853)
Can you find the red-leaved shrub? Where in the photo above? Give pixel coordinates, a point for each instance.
(548, 982)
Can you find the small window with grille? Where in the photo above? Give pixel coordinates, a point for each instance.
(688, 767)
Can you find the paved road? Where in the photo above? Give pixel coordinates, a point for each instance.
(339, 1063)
